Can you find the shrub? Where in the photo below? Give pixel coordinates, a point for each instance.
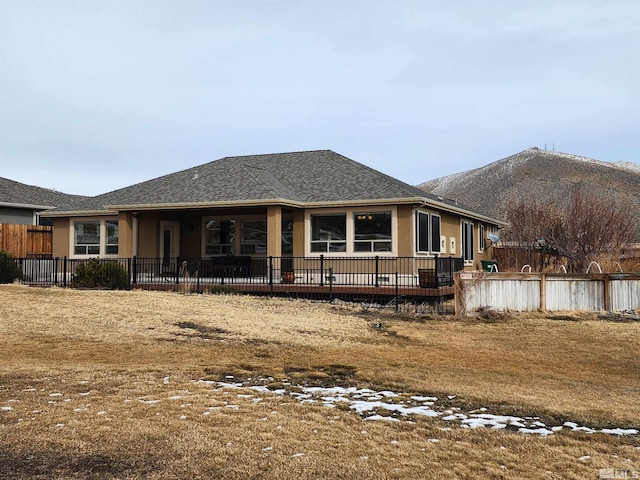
(10, 270)
(106, 274)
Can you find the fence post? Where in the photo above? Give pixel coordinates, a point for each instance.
(64, 272)
(177, 270)
(135, 270)
(322, 270)
(377, 271)
(330, 284)
(271, 274)
(437, 282)
(397, 299)
(55, 271)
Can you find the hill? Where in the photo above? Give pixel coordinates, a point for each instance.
(535, 173)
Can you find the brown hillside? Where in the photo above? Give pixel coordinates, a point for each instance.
(539, 174)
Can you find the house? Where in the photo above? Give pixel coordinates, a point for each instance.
(302, 204)
(22, 204)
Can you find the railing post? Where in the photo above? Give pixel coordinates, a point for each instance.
(397, 299)
(64, 272)
(271, 274)
(437, 282)
(198, 276)
(322, 270)
(377, 271)
(55, 271)
(330, 284)
(177, 270)
(135, 270)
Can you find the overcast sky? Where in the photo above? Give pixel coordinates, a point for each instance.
(98, 95)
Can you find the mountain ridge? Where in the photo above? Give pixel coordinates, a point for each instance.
(544, 175)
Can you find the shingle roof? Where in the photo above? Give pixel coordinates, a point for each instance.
(28, 196)
(311, 177)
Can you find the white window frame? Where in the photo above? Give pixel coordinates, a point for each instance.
(430, 235)
(102, 234)
(237, 241)
(481, 238)
(350, 234)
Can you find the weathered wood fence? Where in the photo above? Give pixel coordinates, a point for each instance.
(528, 292)
(26, 241)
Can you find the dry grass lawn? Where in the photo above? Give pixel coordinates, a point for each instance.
(97, 384)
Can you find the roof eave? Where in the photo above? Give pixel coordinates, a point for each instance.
(80, 213)
(26, 206)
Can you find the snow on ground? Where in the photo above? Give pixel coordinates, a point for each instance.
(371, 405)
(392, 406)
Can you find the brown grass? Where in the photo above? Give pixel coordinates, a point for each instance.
(84, 375)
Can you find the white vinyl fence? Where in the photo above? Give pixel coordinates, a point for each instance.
(528, 292)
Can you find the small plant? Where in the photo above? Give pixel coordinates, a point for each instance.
(10, 270)
(109, 275)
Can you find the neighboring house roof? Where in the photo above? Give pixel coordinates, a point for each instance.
(301, 179)
(19, 195)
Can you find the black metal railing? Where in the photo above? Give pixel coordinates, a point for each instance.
(374, 280)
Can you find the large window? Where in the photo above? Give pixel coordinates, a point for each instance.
(253, 237)
(372, 232)
(427, 232)
(329, 233)
(220, 237)
(95, 237)
(467, 241)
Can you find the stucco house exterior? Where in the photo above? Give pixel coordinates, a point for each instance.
(301, 204)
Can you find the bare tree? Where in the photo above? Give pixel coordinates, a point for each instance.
(588, 229)
(593, 229)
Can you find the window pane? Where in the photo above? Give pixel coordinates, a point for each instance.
(87, 233)
(328, 227)
(372, 226)
(328, 233)
(382, 247)
(287, 236)
(362, 246)
(422, 231)
(253, 236)
(220, 237)
(111, 227)
(435, 233)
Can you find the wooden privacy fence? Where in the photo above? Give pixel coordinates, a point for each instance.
(26, 241)
(528, 292)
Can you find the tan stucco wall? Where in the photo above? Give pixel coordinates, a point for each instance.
(405, 229)
(125, 235)
(148, 233)
(190, 235)
(61, 237)
(274, 231)
(298, 233)
(450, 227)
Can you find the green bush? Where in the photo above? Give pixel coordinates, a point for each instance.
(105, 274)
(10, 270)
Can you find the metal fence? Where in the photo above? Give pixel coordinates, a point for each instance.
(402, 283)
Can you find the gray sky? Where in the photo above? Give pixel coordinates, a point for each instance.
(98, 95)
